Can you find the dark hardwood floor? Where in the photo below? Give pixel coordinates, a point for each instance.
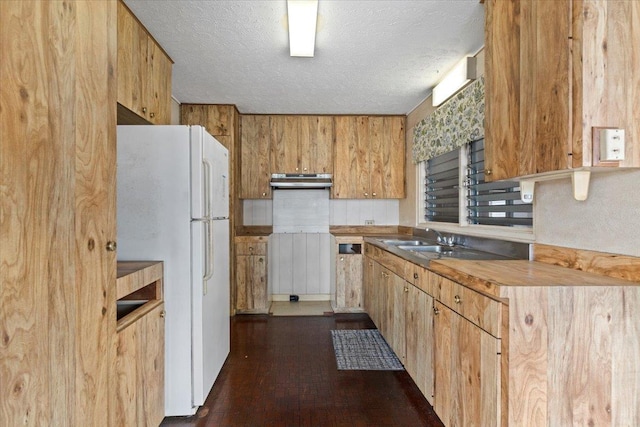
(282, 372)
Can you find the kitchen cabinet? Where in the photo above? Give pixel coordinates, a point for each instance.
(144, 73)
(140, 344)
(556, 71)
(369, 292)
(251, 274)
(347, 296)
(467, 374)
(301, 144)
(369, 157)
(442, 332)
(218, 119)
(255, 166)
(420, 339)
(58, 161)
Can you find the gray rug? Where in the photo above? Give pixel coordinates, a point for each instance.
(363, 349)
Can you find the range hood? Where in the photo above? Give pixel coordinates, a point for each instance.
(292, 181)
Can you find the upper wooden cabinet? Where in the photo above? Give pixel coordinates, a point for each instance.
(218, 120)
(255, 169)
(301, 144)
(144, 73)
(554, 71)
(369, 157)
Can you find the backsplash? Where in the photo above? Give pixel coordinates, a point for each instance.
(341, 212)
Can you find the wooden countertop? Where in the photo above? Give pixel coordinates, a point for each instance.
(134, 275)
(489, 277)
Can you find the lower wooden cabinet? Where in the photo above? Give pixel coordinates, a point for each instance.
(251, 274)
(348, 292)
(420, 339)
(442, 339)
(140, 370)
(467, 374)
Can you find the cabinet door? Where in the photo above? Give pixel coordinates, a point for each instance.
(151, 367)
(127, 56)
(528, 88)
(158, 82)
(351, 158)
(254, 161)
(284, 144)
(467, 381)
(348, 281)
(368, 296)
(316, 144)
(387, 155)
(396, 303)
(420, 340)
(442, 358)
(140, 371)
(251, 283)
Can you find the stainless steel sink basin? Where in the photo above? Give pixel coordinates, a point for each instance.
(422, 248)
(400, 242)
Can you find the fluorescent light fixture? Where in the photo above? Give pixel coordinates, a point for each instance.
(463, 73)
(303, 16)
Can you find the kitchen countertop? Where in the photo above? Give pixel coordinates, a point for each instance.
(134, 275)
(491, 276)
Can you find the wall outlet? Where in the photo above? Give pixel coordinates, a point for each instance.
(369, 222)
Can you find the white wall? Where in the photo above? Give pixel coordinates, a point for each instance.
(608, 221)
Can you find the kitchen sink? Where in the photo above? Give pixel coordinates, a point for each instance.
(400, 242)
(422, 248)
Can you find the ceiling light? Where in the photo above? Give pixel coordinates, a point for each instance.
(303, 16)
(463, 73)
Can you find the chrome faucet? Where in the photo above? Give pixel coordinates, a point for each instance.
(448, 241)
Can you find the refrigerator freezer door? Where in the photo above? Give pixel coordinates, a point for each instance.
(211, 323)
(200, 173)
(218, 157)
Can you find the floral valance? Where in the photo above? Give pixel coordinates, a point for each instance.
(458, 121)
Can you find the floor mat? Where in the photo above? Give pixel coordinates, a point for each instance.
(363, 349)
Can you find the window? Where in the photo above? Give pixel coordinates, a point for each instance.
(452, 198)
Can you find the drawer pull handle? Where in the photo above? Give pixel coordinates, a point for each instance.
(250, 248)
(406, 289)
(163, 313)
(457, 299)
(436, 311)
(415, 275)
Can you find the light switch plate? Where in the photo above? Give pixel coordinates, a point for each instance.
(611, 144)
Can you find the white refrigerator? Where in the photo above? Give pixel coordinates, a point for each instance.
(173, 206)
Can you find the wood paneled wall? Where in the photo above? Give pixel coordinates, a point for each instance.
(57, 212)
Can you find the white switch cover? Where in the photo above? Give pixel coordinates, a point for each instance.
(611, 144)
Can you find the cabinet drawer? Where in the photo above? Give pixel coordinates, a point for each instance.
(482, 311)
(251, 248)
(422, 278)
(393, 262)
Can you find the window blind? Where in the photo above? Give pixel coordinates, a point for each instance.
(442, 202)
(493, 203)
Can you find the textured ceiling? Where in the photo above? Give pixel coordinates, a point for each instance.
(371, 57)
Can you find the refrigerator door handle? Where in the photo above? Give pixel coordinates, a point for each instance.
(208, 254)
(224, 187)
(207, 188)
